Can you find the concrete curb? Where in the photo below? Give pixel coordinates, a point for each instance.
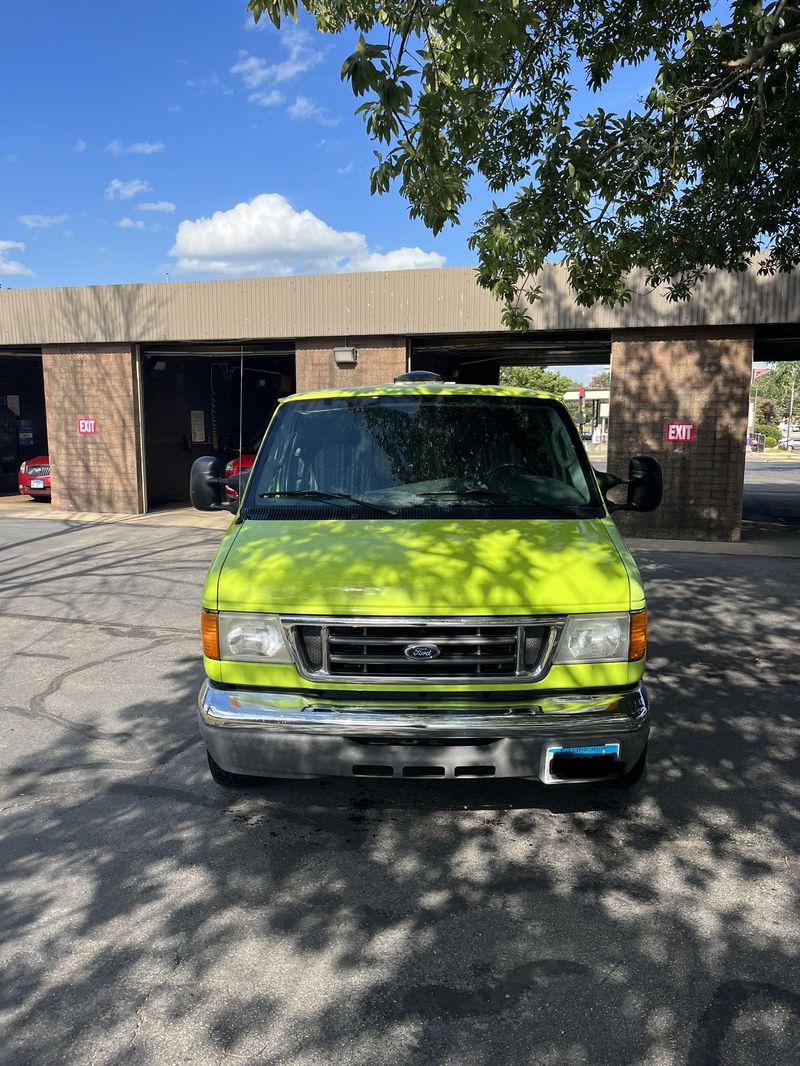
(777, 547)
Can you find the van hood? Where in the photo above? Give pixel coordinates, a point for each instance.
(427, 567)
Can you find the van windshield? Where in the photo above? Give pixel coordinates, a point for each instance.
(423, 455)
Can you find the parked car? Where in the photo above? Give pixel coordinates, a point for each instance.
(790, 445)
(239, 465)
(34, 478)
(423, 580)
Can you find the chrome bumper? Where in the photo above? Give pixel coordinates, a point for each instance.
(275, 734)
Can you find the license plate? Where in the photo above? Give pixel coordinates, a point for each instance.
(37, 483)
(588, 750)
(582, 754)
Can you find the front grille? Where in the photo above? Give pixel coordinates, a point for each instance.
(463, 650)
(38, 471)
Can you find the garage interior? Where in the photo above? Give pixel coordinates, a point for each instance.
(477, 360)
(192, 396)
(23, 418)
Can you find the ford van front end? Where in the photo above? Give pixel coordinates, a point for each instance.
(424, 581)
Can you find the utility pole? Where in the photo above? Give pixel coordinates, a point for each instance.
(791, 406)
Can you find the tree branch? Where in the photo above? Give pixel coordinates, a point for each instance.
(758, 55)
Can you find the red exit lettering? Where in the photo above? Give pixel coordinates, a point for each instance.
(87, 425)
(680, 432)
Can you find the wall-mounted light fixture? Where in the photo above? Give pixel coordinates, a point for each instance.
(345, 356)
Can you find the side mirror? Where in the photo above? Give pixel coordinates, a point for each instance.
(645, 485)
(205, 484)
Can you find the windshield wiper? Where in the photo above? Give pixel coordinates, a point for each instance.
(507, 497)
(318, 494)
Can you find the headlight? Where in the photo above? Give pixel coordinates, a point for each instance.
(252, 638)
(229, 468)
(594, 638)
(23, 468)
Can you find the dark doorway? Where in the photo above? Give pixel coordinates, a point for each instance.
(191, 398)
(23, 419)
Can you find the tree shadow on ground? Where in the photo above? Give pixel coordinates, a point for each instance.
(154, 918)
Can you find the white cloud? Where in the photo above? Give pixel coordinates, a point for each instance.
(347, 168)
(253, 71)
(68, 233)
(399, 259)
(267, 98)
(304, 107)
(130, 223)
(42, 221)
(79, 146)
(116, 147)
(174, 108)
(268, 236)
(126, 190)
(163, 206)
(301, 56)
(10, 267)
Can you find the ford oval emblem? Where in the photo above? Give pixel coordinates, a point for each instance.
(423, 652)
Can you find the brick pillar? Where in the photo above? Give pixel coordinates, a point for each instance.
(380, 360)
(700, 376)
(99, 472)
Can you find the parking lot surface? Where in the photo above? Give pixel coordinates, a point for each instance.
(151, 918)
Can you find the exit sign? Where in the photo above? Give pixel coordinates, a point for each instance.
(680, 432)
(87, 425)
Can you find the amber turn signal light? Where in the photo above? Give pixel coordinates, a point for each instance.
(209, 630)
(638, 641)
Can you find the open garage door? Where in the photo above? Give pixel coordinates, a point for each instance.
(476, 360)
(23, 419)
(192, 398)
(771, 498)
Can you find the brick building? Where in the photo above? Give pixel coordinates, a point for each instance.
(163, 370)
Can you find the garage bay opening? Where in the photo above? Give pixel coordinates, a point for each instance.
(23, 424)
(207, 400)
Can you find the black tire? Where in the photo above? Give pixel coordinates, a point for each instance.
(637, 773)
(225, 779)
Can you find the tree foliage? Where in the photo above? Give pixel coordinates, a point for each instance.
(542, 379)
(537, 377)
(775, 388)
(701, 172)
(601, 380)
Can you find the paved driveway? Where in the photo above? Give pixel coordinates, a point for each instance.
(772, 495)
(149, 917)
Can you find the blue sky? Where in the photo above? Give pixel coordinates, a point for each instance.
(131, 133)
(122, 121)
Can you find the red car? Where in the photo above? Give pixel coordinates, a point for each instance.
(34, 478)
(237, 466)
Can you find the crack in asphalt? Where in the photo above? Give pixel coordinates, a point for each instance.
(37, 708)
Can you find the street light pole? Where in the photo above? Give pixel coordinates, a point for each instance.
(791, 407)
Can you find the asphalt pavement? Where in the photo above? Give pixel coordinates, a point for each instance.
(151, 918)
(772, 495)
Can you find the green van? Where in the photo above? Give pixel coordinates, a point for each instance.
(423, 581)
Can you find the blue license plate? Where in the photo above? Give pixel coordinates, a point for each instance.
(580, 762)
(588, 749)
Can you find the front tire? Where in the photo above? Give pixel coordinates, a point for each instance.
(225, 779)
